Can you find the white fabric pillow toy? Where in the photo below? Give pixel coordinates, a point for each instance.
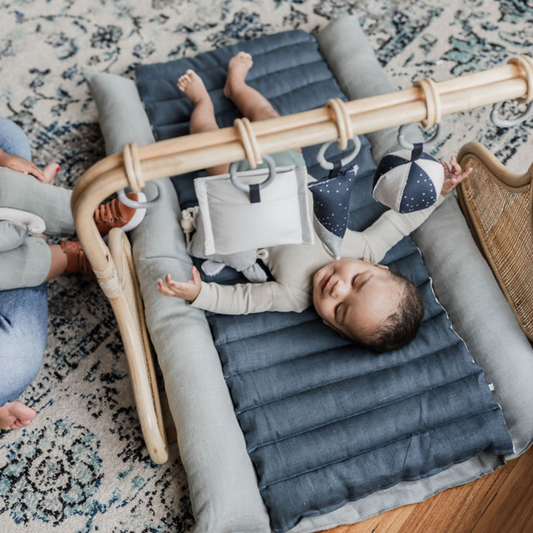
(408, 180)
(243, 212)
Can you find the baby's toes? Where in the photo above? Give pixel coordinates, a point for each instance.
(183, 80)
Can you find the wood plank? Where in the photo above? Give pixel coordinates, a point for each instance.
(388, 522)
(511, 509)
(459, 509)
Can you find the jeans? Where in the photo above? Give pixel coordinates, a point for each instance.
(23, 312)
(23, 328)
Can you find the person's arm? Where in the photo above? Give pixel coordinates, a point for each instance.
(241, 299)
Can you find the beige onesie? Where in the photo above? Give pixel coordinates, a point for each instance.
(293, 268)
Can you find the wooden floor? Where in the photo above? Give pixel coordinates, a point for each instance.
(501, 502)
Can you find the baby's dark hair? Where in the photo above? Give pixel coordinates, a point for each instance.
(401, 327)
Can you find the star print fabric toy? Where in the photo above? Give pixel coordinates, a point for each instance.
(408, 180)
(331, 198)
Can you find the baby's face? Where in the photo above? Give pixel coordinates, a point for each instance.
(354, 295)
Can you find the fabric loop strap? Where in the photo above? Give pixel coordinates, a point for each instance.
(255, 194)
(132, 164)
(527, 64)
(249, 141)
(108, 280)
(342, 120)
(433, 104)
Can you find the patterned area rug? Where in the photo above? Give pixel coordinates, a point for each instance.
(82, 465)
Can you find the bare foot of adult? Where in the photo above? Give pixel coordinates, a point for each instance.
(50, 172)
(16, 415)
(192, 86)
(238, 68)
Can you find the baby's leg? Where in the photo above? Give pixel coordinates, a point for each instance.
(203, 115)
(250, 102)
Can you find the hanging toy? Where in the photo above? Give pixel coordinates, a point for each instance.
(331, 199)
(408, 180)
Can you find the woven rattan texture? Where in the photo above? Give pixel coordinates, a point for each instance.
(501, 219)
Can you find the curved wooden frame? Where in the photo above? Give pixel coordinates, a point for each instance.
(132, 327)
(193, 152)
(513, 183)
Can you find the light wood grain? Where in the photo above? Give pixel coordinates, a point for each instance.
(498, 503)
(512, 508)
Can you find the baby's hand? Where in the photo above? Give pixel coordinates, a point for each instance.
(19, 164)
(188, 290)
(453, 176)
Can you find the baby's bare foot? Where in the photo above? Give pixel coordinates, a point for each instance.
(237, 69)
(50, 172)
(192, 86)
(16, 415)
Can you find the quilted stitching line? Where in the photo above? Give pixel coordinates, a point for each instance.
(255, 335)
(376, 448)
(345, 379)
(229, 376)
(309, 430)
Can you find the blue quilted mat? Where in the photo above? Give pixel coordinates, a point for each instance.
(326, 421)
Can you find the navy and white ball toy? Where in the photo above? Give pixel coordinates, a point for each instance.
(408, 180)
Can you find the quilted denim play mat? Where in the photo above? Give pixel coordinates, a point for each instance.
(82, 464)
(326, 421)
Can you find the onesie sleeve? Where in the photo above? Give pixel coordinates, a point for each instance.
(390, 228)
(245, 298)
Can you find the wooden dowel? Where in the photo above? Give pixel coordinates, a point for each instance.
(201, 150)
(480, 79)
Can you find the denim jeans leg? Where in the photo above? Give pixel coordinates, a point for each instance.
(13, 140)
(23, 331)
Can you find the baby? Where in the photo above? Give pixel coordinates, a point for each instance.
(356, 296)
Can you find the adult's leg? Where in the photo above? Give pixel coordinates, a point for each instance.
(13, 140)
(203, 114)
(23, 328)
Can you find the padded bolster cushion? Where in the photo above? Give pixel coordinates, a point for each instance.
(464, 284)
(121, 113)
(221, 478)
(222, 481)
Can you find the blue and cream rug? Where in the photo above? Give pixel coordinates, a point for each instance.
(82, 465)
